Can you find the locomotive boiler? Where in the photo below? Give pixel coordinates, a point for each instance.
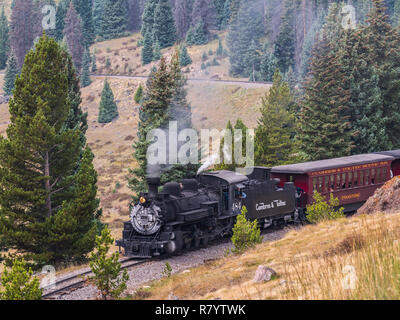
(193, 212)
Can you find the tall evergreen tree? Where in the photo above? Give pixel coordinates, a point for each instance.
(21, 29)
(157, 51)
(98, 12)
(4, 40)
(268, 65)
(61, 13)
(273, 141)
(134, 15)
(184, 57)
(197, 35)
(115, 21)
(153, 114)
(85, 79)
(246, 28)
(12, 71)
(48, 211)
(108, 109)
(147, 50)
(84, 8)
(74, 36)
(148, 18)
(323, 129)
(285, 42)
(164, 30)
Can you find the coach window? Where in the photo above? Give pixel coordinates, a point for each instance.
(338, 182)
(320, 184)
(361, 178)
(384, 175)
(372, 176)
(350, 181)
(314, 184)
(355, 184)
(343, 180)
(366, 177)
(332, 183)
(378, 175)
(326, 184)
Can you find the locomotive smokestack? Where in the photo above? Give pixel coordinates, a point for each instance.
(153, 184)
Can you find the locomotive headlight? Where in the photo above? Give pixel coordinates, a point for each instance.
(142, 200)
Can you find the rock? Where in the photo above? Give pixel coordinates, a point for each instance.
(172, 296)
(386, 199)
(263, 274)
(186, 271)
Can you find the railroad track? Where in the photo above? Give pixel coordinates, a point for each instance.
(75, 282)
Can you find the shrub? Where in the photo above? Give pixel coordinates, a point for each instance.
(204, 57)
(107, 270)
(108, 63)
(18, 283)
(321, 210)
(139, 94)
(246, 234)
(203, 66)
(167, 270)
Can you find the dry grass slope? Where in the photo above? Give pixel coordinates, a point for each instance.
(357, 258)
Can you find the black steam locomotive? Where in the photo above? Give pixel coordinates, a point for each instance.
(191, 213)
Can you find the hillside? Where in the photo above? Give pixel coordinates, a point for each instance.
(213, 103)
(356, 258)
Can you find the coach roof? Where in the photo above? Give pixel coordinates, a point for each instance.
(301, 168)
(393, 153)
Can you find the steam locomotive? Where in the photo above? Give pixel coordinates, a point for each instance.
(198, 210)
(191, 213)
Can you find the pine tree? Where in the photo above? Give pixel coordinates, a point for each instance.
(74, 36)
(19, 283)
(246, 28)
(94, 65)
(252, 60)
(97, 14)
(382, 41)
(108, 109)
(4, 40)
(139, 94)
(273, 141)
(148, 18)
(226, 14)
(12, 71)
(61, 13)
(86, 81)
(184, 57)
(84, 9)
(180, 111)
(164, 30)
(115, 22)
(107, 269)
(157, 51)
(197, 35)
(323, 127)
(48, 212)
(268, 65)
(147, 50)
(220, 49)
(285, 42)
(153, 114)
(21, 30)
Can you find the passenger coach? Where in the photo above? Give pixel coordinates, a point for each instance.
(351, 179)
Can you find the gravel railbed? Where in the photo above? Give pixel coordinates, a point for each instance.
(153, 269)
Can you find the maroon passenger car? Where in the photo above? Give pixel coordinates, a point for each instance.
(351, 179)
